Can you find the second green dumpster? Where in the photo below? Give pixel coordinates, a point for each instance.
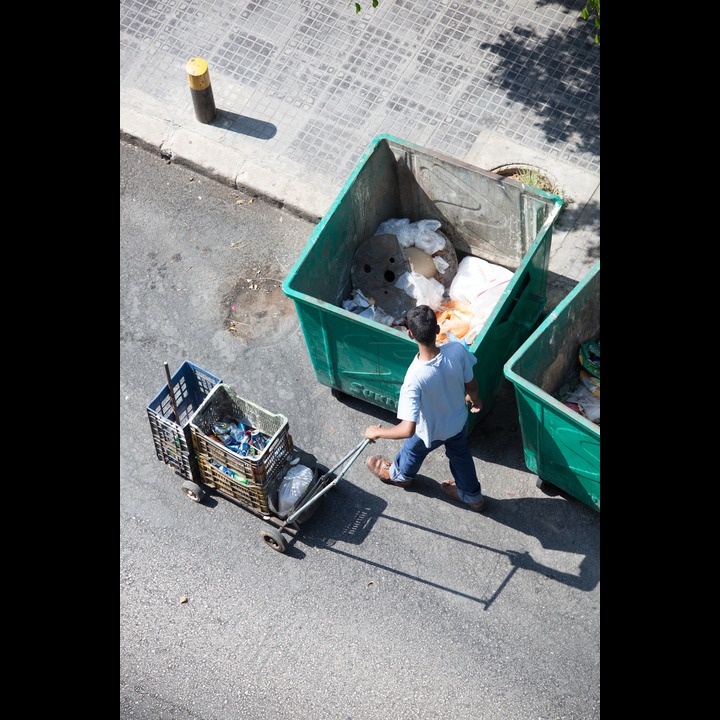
(561, 445)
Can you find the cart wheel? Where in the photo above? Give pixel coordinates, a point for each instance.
(273, 538)
(193, 491)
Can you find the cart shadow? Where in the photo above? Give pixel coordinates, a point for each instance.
(333, 522)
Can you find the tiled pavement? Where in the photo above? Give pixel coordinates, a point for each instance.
(301, 89)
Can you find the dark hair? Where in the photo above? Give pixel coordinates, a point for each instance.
(423, 323)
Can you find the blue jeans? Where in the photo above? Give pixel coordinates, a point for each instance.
(414, 451)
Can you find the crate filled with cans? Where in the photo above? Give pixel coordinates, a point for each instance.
(241, 448)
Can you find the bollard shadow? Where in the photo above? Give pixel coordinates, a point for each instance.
(244, 125)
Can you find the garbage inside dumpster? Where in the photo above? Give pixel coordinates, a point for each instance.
(582, 390)
(360, 305)
(583, 402)
(480, 284)
(406, 264)
(454, 318)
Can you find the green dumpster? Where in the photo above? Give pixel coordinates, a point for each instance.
(562, 447)
(483, 214)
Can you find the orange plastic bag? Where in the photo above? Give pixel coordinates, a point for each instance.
(454, 317)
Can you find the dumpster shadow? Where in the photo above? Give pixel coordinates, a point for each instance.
(354, 403)
(570, 527)
(557, 528)
(497, 438)
(244, 125)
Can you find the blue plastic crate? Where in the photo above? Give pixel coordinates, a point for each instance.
(172, 437)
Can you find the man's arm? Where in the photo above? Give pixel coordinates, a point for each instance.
(404, 429)
(472, 397)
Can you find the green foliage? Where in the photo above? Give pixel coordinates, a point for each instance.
(536, 179)
(358, 8)
(592, 10)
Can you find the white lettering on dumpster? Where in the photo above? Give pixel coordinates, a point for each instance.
(373, 396)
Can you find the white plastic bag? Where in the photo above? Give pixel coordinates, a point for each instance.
(426, 238)
(588, 403)
(475, 277)
(292, 487)
(440, 264)
(420, 234)
(481, 284)
(425, 291)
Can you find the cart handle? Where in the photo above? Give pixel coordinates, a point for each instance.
(172, 393)
(353, 455)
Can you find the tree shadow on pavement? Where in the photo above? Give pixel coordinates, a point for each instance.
(557, 78)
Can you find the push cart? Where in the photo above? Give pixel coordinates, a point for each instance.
(252, 481)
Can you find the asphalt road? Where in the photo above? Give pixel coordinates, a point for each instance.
(389, 603)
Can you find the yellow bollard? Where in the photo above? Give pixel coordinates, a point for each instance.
(201, 90)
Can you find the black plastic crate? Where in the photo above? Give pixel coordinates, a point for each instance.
(172, 437)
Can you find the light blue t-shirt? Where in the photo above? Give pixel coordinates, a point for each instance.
(433, 393)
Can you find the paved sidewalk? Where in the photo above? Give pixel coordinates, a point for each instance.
(301, 89)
